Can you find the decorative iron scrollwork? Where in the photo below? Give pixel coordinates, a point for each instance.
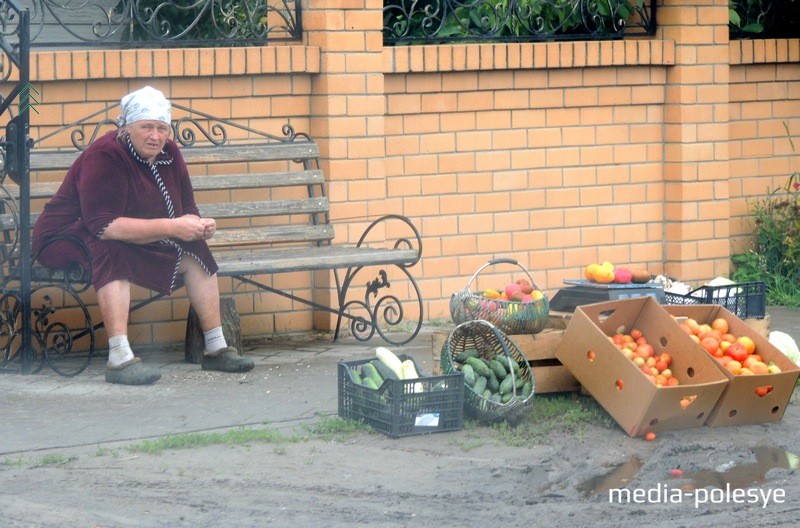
(383, 312)
(142, 22)
(513, 20)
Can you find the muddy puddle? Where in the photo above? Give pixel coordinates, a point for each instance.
(728, 475)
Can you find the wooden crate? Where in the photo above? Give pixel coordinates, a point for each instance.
(540, 351)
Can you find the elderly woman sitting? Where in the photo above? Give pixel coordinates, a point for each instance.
(129, 199)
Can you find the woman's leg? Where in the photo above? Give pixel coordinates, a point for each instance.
(114, 299)
(203, 292)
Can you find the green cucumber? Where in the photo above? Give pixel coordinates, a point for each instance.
(384, 370)
(507, 385)
(354, 375)
(495, 397)
(479, 366)
(507, 397)
(492, 382)
(526, 391)
(469, 375)
(467, 353)
(480, 384)
(487, 394)
(368, 370)
(520, 382)
(498, 369)
(369, 383)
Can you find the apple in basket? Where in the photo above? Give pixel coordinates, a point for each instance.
(525, 286)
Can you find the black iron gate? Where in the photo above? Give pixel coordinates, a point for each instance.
(15, 302)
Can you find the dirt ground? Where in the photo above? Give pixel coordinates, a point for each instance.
(743, 476)
(462, 478)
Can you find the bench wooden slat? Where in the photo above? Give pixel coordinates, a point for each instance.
(273, 208)
(271, 234)
(62, 160)
(229, 210)
(206, 182)
(278, 260)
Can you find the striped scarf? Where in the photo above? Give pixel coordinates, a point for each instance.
(170, 208)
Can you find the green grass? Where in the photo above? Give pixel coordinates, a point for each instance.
(47, 460)
(328, 429)
(549, 414)
(554, 413)
(335, 429)
(233, 437)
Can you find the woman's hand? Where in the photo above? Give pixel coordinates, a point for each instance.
(210, 226)
(189, 227)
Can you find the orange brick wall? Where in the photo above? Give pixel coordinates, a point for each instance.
(643, 151)
(527, 151)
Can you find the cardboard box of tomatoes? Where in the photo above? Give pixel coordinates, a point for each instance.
(633, 358)
(761, 378)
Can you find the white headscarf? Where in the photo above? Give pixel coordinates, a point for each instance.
(145, 104)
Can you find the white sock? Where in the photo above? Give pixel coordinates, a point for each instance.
(214, 340)
(119, 350)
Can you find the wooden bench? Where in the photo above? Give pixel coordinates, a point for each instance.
(283, 225)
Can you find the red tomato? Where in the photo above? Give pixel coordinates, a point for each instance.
(737, 352)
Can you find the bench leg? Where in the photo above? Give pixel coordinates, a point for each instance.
(381, 308)
(194, 345)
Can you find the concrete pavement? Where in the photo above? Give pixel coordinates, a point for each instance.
(294, 382)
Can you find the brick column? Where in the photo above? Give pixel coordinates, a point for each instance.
(696, 171)
(347, 116)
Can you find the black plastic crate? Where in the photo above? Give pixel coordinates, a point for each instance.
(743, 299)
(396, 409)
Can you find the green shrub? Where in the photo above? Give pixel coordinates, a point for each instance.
(775, 258)
(761, 18)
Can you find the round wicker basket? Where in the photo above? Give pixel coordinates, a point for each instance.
(490, 343)
(509, 316)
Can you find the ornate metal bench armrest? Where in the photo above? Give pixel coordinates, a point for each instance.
(401, 242)
(74, 274)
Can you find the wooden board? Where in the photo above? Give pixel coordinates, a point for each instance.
(759, 325)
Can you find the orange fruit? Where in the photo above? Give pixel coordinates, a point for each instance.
(720, 324)
(758, 367)
(734, 367)
(650, 436)
(763, 391)
(692, 324)
(748, 343)
(711, 333)
(730, 338)
(589, 270)
(737, 351)
(710, 344)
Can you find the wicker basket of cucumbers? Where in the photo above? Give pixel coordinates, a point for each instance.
(498, 382)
